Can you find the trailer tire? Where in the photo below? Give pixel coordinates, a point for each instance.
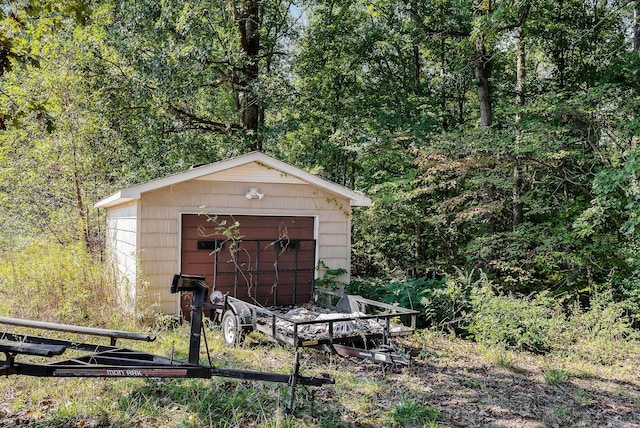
(231, 331)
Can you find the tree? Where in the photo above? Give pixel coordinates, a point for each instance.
(196, 76)
(504, 197)
(497, 135)
(58, 153)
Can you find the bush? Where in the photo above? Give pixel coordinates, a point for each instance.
(522, 323)
(468, 304)
(442, 303)
(601, 332)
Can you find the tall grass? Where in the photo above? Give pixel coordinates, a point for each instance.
(49, 281)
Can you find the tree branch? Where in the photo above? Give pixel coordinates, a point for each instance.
(203, 124)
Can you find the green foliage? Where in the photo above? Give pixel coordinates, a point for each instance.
(230, 231)
(542, 200)
(409, 413)
(97, 95)
(442, 303)
(62, 283)
(58, 153)
(602, 332)
(543, 323)
(519, 323)
(543, 203)
(329, 279)
(553, 376)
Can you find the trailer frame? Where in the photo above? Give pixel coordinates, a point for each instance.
(113, 361)
(238, 317)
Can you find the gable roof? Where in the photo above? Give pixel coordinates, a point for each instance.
(128, 194)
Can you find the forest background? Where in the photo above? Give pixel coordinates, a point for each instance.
(498, 139)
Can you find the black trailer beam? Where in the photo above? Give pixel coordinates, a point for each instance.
(113, 334)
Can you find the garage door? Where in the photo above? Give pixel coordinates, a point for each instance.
(271, 261)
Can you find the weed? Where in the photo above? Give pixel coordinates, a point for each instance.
(63, 283)
(554, 377)
(561, 411)
(330, 279)
(558, 416)
(473, 384)
(409, 413)
(516, 322)
(583, 397)
(501, 357)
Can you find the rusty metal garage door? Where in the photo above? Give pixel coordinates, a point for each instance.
(264, 260)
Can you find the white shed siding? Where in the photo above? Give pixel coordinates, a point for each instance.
(121, 245)
(252, 173)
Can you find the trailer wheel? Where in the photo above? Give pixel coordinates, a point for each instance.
(231, 330)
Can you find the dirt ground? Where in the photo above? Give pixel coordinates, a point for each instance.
(472, 386)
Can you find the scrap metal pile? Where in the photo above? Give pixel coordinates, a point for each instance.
(343, 324)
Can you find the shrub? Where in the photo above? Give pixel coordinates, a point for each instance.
(601, 332)
(522, 323)
(408, 293)
(442, 303)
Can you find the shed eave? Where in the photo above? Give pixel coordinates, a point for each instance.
(134, 192)
(356, 198)
(116, 199)
(360, 200)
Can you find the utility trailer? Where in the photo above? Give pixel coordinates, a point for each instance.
(339, 323)
(109, 361)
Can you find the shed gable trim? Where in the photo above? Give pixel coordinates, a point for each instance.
(134, 192)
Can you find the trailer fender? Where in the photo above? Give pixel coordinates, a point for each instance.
(242, 311)
(236, 322)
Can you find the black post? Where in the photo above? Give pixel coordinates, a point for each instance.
(200, 292)
(293, 382)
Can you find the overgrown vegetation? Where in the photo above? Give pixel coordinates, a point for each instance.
(498, 141)
(49, 281)
(477, 152)
(451, 383)
(578, 345)
(470, 306)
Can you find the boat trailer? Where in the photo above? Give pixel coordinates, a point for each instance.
(111, 361)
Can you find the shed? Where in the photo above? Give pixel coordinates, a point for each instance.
(256, 227)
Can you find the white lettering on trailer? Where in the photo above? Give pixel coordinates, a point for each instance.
(124, 373)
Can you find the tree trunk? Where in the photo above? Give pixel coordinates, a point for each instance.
(443, 84)
(518, 214)
(248, 21)
(481, 63)
(560, 43)
(416, 67)
(636, 27)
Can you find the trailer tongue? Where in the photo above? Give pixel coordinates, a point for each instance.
(95, 360)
